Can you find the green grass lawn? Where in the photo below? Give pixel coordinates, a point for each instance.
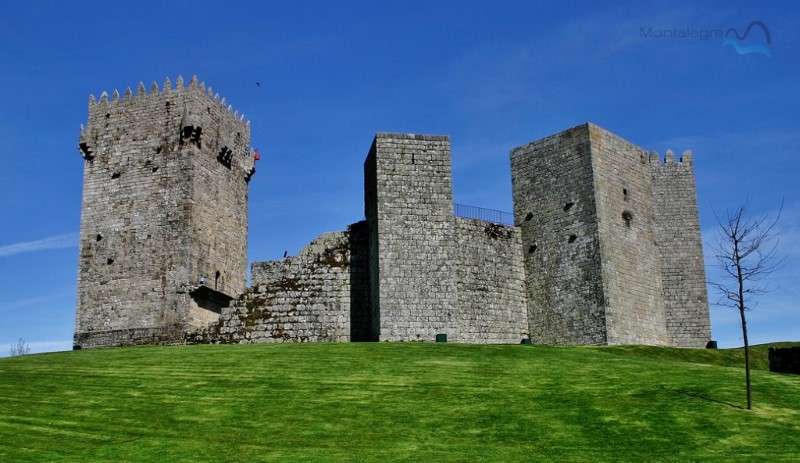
(393, 402)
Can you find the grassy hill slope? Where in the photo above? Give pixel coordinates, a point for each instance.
(392, 402)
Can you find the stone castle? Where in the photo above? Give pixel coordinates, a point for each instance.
(604, 248)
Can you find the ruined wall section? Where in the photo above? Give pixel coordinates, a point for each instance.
(631, 268)
(681, 251)
(409, 207)
(303, 298)
(139, 213)
(554, 206)
(491, 283)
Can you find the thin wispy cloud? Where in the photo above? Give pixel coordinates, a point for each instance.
(36, 301)
(67, 240)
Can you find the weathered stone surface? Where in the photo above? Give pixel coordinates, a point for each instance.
(681, 249)
(302, 298)
(164, 214)
(409, 208)
(629, 258)
(491, 284)
(554, 205)
(611, 242)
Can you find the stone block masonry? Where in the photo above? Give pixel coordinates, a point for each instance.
(605, 248)
(630, 261)
(554, 205)
(304, 298)
(630, 270)
(409, 208)
(163, 242)
(490, 275)
(677, 234)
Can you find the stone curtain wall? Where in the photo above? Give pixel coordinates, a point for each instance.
(303, 298)
(554, 207)
(323, 293)
(491, 284)
(409, 207)
(681, 250)
(158, 211)
(630, 261)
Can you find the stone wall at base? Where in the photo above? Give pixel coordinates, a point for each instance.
(130, 337)
(491, 284)
(303, 298)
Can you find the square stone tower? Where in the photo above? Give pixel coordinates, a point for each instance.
(163, 240)
(409, 210)
(605, 259)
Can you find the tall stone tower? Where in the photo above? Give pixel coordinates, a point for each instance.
(163, 240)
(681, 249)
(409, 210)
(608, 257)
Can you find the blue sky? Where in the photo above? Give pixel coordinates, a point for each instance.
(492, 75)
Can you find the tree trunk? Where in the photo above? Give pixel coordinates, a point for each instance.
(746, 360)
(742, 307)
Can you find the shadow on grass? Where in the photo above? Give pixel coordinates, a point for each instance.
(706, 397)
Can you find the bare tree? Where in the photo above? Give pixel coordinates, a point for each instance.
(20, 348)
(746, 252)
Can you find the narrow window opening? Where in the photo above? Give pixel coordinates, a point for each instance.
(572, 238)
(158, 150)
(627, 218)
(225, 156)
(625, 194)
(529, 216)
(413, 158)
(568, 206)
(216, 279)
(87, 151)
(99, 237)
(192, 135)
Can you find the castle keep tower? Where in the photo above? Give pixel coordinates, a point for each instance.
(163, 241)
(611, 242)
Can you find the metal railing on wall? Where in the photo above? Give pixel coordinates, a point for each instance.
(481, 213)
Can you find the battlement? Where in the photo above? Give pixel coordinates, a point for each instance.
(669, 160)
(182, 114)
(194, 87)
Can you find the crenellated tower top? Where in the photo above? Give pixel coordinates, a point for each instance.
(190, 113)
